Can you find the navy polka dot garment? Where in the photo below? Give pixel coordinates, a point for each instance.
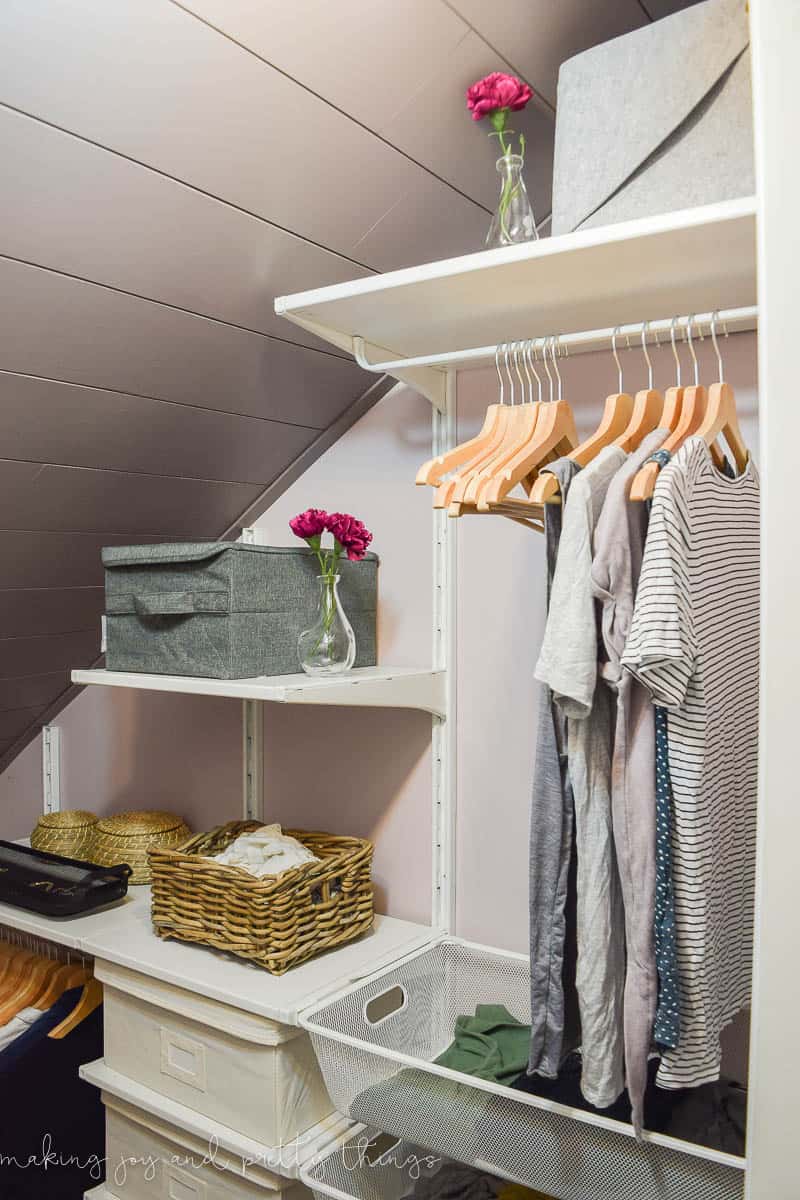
(667, 1026)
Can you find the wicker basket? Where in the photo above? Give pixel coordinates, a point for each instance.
(126, 838)
(69, 833)
(276, 922)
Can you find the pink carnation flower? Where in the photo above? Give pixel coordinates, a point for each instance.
(309, 524)
(497, 91)
(350, 533)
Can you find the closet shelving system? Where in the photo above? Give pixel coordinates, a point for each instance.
(421, 326)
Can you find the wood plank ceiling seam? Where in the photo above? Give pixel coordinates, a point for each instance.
(325, 100)
(214, 139)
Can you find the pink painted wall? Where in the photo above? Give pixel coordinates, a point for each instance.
(137, 749)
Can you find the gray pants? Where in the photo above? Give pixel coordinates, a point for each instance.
(600, 915)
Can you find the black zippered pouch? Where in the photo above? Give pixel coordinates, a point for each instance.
(55, 886)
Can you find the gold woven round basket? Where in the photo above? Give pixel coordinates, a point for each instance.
(126, 838)
(69, 833)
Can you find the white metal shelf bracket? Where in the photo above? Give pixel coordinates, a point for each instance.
(443, 746)
(431, 382)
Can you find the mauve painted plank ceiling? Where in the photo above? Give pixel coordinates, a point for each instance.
(49, 422)
(31, 691)
(39, 655)
(37, 559)
(36, 496)
(61, 328)
(115, 222)
(169, 169)
(235, 128)
(36, 612)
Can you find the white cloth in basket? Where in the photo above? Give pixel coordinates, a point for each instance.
(265, 851)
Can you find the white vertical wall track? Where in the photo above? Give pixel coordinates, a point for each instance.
(443, 746)
(252, 740)
(253, 760)
(51, 768)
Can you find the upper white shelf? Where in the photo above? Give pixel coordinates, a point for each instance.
(691, 261)
(365, 687)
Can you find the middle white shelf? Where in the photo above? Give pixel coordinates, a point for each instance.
(123, 934)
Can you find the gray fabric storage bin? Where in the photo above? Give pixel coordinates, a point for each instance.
(657, 120)
(224, 610)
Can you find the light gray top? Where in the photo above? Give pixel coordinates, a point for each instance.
(568, 658)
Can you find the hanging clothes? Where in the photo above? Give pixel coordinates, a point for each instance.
(18, 1025)
(551, 841)
(619, 540)
(667, 1026)
(694, 644)
(568, 665)
(53, 1129)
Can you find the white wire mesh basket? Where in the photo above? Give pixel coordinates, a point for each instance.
(369, 1165)
(376, 1041)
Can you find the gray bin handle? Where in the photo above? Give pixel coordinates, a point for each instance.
(173, 604)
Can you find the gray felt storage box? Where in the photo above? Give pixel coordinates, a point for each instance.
(225, 610)
(657, 120)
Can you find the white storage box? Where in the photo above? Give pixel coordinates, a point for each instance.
(148, 1159)
(376, 1041)
(242, 1070)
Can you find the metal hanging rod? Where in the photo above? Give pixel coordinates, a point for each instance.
(735, 319)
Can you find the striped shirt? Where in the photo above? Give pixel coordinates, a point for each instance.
(694, 643)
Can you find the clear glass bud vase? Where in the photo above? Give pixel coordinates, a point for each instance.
(513, 220)
(329, 646)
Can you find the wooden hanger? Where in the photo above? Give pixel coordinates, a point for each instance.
(520, 430)
(615, 420)
(554, 435)
(647, 408)
(692, 411)
(68, 976)
(720, 415)
(16, 967)
(434, 470)
(486, 447)
(91, 999)
(555, 432)
(36, 979)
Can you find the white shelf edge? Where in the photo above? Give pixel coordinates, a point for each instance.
(286, 1160)
(365, 687)
(622, 231)
(121, 934)
(423, 318)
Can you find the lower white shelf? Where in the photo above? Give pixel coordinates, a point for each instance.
(286, 1160)
(123, 934)
(364, 687)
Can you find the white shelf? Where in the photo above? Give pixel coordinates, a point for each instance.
(691, 261)
(283, 1160)
(365, 687)
(123, 934)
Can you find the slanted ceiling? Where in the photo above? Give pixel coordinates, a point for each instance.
(168, 168)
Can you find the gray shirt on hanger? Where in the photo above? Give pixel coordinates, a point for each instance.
(619, 539)
(550, 842)
(568, 665)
